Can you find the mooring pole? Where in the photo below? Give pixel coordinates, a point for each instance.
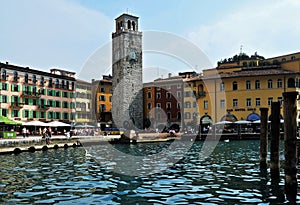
(263, 137)
(275, 140)
(290, 131)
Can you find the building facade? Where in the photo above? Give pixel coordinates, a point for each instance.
(29, 94)
(237, 90)
(102, 101)
(84, 103)
(127, 109)
(163, 103)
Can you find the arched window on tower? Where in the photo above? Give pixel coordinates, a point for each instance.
(133, 26)
(128, 24)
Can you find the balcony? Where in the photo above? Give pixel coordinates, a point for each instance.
(16, 105)
(28, 94)
(43, 107)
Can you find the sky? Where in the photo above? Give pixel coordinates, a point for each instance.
(66, 34)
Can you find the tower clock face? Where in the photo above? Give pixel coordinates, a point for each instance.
(132, 55)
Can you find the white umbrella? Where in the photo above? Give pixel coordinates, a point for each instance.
(58, 124)
(258, 121)
(242, 122)
(224, 122)
(35, 123)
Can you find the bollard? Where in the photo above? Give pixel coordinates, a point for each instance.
(263, 137)
(275, 140)
(290, 131)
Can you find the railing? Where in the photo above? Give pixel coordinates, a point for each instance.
(30, 94)
(16, 105)
(44, 107)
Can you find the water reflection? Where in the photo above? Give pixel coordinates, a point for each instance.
(231, 175)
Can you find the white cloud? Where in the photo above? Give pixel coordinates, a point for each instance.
(52, 33)
(269, 27)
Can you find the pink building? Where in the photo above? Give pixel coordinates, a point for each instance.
(29, 94)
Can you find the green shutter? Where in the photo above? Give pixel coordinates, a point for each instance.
(23, 113)
(30, 102)
(12, 99)
(30, 114)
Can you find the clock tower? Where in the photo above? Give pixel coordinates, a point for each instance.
(127, 101)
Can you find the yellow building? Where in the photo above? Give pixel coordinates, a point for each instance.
(241, 88)
(102, 100)
(83, 103)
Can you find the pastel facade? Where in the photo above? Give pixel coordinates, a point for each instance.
(84, 114)
(29, 94)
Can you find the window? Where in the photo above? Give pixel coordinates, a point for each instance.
(4, 86)
(66, 116)
(57, 103)
(43, 115)
(158, 105)
(168, 95)
(4, 112)
(279, 83)
(222, 86)
(15, 113)
(187, 94)
(270, 83)
(178, 94)
(50, 93)
(248, 102)
(291, 83)
(57, 93)
(26, 78)
(235, 103)
(26, 113)
(234, 85)
(257, 102)
(187, 115)
(149, 95)
(26, 101)
(57, 115)
(102, 97)
(187, 105)
(50, 83)
(50, 103)
(67, 85)
(15, 88)
(270, 100)
(222, 103)
(3, 75)
(205, 105)
(102, 90)
(248, 85)
(178, 106)
(42, 81)
(168, 105)
(257, 84)
(65, 94)
(194, 104)
(57, 83)
(34, 114)
(149, 106)
(15, 76)
(4, 99)
(158, 96)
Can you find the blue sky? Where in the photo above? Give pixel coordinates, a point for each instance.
(66, 33)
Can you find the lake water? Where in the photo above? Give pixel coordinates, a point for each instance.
(230, 175)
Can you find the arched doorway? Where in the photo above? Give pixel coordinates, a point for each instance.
(229, 117)
(253, 117)
(205, 123)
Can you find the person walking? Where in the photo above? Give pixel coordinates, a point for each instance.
(24, 132)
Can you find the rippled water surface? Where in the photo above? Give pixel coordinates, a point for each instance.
(231, 175)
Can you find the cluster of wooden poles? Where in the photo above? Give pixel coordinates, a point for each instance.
(290, 143)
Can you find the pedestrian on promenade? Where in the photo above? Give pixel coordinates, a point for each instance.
(24, 130)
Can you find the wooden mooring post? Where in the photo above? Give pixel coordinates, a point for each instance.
(275, 141)
(290, 131)
(263, 137)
